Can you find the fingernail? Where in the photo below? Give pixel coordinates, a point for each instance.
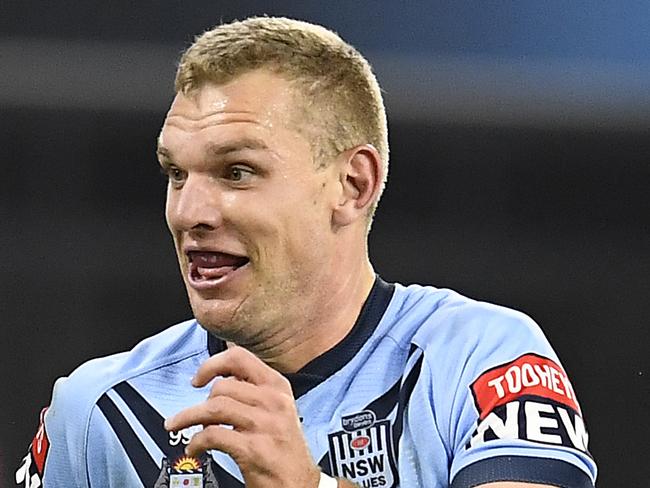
(167, 424)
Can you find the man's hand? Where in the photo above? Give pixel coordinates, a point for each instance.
(266, 439)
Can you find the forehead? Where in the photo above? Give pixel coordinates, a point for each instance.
(259, 104)
(260, 94)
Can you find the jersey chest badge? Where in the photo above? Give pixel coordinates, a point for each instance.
(362, 451)
(186, 472)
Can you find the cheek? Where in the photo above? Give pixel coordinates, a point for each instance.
(169, 205)
(173, 226)
(306, 238)
(232, 201)
(281, 237)
(282, 225)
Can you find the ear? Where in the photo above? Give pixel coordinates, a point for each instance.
(360, 177)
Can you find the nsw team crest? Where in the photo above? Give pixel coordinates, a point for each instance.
(362, 451)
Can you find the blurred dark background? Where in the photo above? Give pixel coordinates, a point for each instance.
(520, 174)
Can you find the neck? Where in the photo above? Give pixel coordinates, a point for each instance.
(331, 318)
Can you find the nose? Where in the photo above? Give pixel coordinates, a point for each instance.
(195, 205)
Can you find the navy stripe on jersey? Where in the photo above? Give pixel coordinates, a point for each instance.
(404, 397)
(152, 421)
(385, 404)
(325, 464)
(149, 417)
(405, 393)
(522, 468)
(142, 462)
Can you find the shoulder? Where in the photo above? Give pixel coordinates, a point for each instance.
(435, 318)
(491, 386)
(460, 340)
(61, 443)
(73, 397)
(169, 346)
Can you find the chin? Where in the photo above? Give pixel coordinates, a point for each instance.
(218, 318)
(212, 317)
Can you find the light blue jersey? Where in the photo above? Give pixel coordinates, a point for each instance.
(429, 389)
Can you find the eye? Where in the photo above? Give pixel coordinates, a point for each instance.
(239, 173)
(174, 174)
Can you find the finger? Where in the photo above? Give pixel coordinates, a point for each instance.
(239, 390)
(214, 411)
(217, 437)
(240, 363)
(266, 398)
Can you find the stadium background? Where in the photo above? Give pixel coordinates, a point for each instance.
(520, 174)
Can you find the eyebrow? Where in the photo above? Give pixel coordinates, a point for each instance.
(163, 151)
(222, 149)
(239, 145)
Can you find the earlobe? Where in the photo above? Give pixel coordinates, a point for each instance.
(360, 178)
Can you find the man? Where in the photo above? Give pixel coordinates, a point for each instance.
(307, 370)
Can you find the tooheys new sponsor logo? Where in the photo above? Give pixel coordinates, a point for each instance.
(361, 451)
(530, 398)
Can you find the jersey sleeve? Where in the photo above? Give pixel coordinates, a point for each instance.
(506, 405)
(56, 456)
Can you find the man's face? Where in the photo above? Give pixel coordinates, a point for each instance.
(249, 211)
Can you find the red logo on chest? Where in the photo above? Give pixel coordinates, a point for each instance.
(360, 442)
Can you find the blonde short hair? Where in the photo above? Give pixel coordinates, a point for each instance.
(343, 106)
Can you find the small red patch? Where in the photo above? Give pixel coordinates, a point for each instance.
(40, 444)
(360, 442)
(529, 374)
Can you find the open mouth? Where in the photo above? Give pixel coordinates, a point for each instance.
(211, 267)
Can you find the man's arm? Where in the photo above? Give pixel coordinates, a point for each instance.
(504, 428)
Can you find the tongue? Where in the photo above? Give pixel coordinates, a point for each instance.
(214, 265)
(216, 260)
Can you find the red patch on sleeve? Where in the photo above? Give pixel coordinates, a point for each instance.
(529, 374)
(40, 444)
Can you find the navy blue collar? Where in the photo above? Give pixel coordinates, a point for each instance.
(328, 363)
